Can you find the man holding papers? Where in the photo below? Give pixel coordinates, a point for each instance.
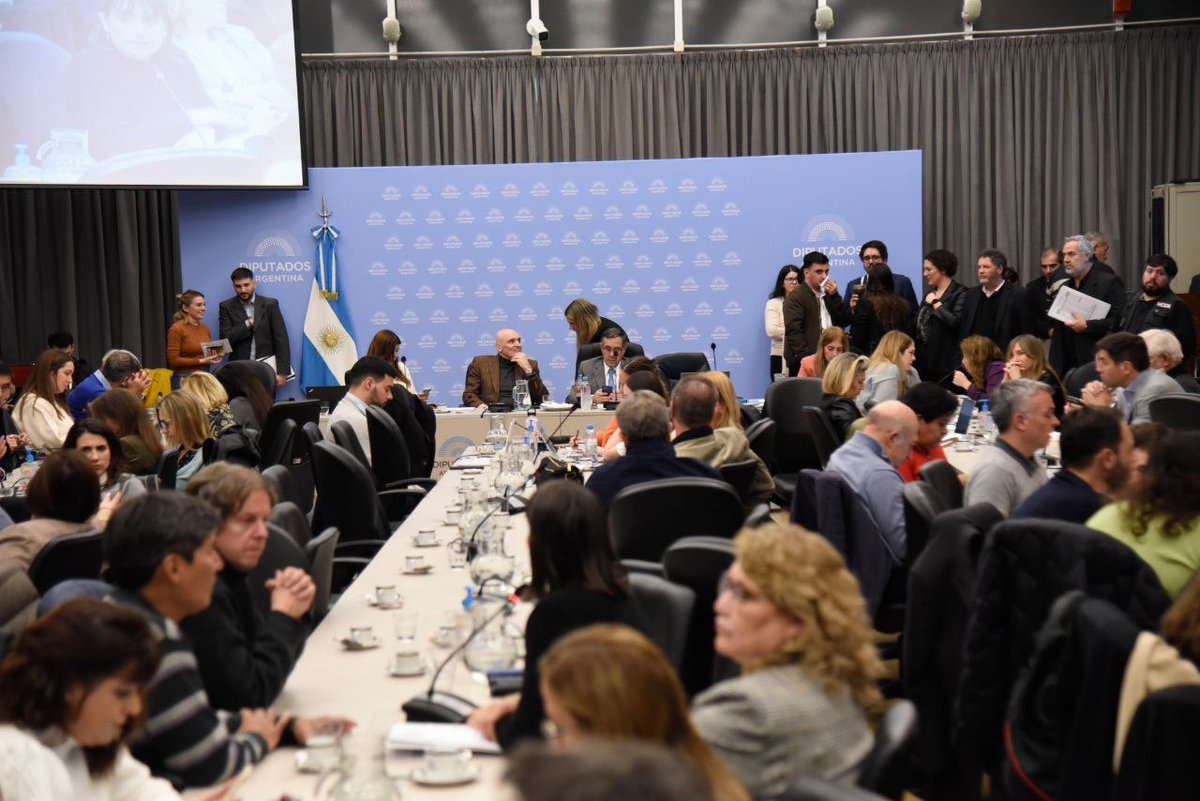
(1085, 310)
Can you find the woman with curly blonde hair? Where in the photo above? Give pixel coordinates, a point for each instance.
(793, 617)
(608, 682)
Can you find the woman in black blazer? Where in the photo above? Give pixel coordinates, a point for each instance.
(940, 318)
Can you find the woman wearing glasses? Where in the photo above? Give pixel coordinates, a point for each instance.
(184, 425)
(793, 618)
(787, 280)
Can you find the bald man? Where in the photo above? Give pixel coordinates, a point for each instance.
(490, 379)
(868, 461)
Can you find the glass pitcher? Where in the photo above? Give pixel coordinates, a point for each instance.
(491, 648)
(520, 394)
(492, 560)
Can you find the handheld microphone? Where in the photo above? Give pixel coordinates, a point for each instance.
(444, 707)
(713, 345)
(558, 427)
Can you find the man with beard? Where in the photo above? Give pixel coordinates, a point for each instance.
(1158, 307)
(1097, 454)
(1073, 343)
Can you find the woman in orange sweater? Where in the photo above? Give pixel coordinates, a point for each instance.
(185, 337)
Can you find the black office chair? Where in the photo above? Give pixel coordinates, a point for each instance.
(739, 475)
(320, 552)
(821, 431)
(301, 412)
(667, 608)
(1079, 377)
(279, 478)
(301, 466)
(1179, 412)
(798, 392)
(331, 395)
(795, 445)
(944, 479)
(590, 350)
(885, 770)
(921, 505)
(390, 459)
(288, 517)
(698, 564)
(279, 450)
(70, 556)
(645, 518)
(674, 365)
(761, 438)
(345, 437)
(264, 373)
(642, 566)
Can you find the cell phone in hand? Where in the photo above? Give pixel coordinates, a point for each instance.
(607, 389)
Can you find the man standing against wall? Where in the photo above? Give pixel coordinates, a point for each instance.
(254, 326)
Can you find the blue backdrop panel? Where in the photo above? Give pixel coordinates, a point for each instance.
(680, 252)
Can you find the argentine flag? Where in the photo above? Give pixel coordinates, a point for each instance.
(329, 349)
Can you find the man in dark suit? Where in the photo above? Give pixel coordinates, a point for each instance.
(876, 252)
(254, 325)
(490, 379)
(994, 308)
(1074, 343)
(810, 308)
(1038, 295)
(604, 370)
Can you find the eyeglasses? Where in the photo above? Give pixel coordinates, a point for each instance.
(872, 258)
(740, 592)
(791, 279)
(612, 351)
(163, 424)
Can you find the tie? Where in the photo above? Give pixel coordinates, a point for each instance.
(612, 377)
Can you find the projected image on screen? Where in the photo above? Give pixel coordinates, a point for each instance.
(149, 92)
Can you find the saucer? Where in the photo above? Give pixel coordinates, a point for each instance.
(351, 645)
(432, 544)
(466, 777)
(418, 571)
(302, 763)
(372, 601)
(421, 671)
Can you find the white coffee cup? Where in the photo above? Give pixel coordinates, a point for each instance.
(414, 562)
(324, 752)
(407, 660)
(453, 513)
(425, 536)
(445, 764)
(362, 635)
(387, 595)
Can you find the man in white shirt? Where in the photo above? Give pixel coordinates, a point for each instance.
(369, 383)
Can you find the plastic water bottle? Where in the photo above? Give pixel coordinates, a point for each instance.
(986, 428)
(584, 392)
(30, 456)
(589, 440)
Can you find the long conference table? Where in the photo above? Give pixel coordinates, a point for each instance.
(462, 428)
(330, 680)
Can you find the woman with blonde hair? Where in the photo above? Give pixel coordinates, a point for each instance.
(729, 411)
(211, 394)
(186, 337)
(984, 364)
(608, 682)
(184, 424)
(832, 343)
(42, 413)
(125, 416)
(1026, 358)
(840, 387)
(890, 371)
(584, 319)
(793, 618)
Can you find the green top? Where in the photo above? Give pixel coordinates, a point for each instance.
(1174, 559)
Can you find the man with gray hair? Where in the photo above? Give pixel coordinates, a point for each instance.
(1072, 343)
(1166, 354)
(1008, 473)
(868, 462)
(118, 369)
(646, 429)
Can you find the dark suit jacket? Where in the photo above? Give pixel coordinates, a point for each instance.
(596, 373)
(802, 323)
(904, 288)
(938, 355)
(483, 381)
(270, 334)
(1068, 349)
(1010, 315)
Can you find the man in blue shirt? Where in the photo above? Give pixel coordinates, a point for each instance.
(1097, 456)
(119, 369)
(867, 462)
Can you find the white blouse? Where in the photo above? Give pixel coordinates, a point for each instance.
(773, 321)
(45, 423)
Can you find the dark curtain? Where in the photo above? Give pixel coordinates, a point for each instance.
(1025, 141)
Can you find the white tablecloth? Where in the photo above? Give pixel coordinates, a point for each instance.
(458, 430)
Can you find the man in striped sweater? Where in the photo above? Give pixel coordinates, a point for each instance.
(163, 562)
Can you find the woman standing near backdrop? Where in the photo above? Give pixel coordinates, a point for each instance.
(787, 280)
(186, 336)
(939, 317)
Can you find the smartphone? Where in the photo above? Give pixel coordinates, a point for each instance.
(607, 389)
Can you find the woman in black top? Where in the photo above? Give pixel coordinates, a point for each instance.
(940, 317)
(577, 581)
(840, 385)
(584, 319)
(878, 310)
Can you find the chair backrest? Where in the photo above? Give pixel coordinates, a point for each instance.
(645, 518)
(168, 468)
(344, 436)
(761, 437)
(943, 478)
(795, 444)
(698, 564)
(390, 459)
(642, 566)
(320, 550)
(667, 608)
(305, 411)
(281, 551)
(265, 374)
(739, 475)
(673, 365)
(346, 495)
(1079, 377)
(280, 480)
(921, 505)
(821, 430)
(301, 466)
(796, 392)
(330, 395)
(1180, 412)
(66, 557)
(279, 449)
(1156, 764)
(590, 350)
(288, 517)
(884, 770)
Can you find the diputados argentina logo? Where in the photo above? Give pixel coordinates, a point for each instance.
(274, 257)
(831, 235)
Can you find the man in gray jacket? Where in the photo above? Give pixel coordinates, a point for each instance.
(1127, 382)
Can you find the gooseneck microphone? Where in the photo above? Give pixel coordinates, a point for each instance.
(561, 423)
(713, 346)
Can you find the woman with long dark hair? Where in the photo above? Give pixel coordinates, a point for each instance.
(787, 280)
(42, 413)
(407, 407)
(879, 310)
(576, 581)
(100, 446)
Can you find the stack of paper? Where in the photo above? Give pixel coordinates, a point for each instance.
(405, 736)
